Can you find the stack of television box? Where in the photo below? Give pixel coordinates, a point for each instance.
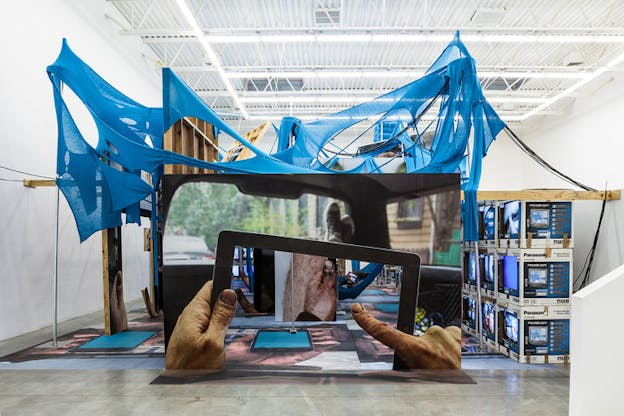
(525, 259)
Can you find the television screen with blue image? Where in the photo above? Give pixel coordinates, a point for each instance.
(511, 327)
(510, 272)
(489, 320)
(538, 334)
(470, 268)
(489, 267)
(537, 277)
(470, 312)
(488, 218)
(539, 217)
(511, 219)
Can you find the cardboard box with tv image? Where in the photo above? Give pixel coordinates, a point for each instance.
(322, 267)
(534, 334)
(535, 276)
(535, 224)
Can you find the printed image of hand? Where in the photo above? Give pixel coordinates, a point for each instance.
(244, 302)
(437, 348)
(320, 296)
(197, 341)
(118, 314)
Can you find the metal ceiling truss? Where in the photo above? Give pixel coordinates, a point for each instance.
(255, 59)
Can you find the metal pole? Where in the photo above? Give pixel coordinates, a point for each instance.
(154, 225)
(478, 278)
(55, 282)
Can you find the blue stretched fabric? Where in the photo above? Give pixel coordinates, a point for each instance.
(181, 101)
(103, 182)
(372, 270)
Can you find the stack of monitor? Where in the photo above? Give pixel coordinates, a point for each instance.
(522, 277)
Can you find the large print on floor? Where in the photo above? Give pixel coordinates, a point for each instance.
(414, 213)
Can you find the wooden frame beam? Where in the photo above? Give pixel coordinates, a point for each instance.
(33, 183)
(548, 195)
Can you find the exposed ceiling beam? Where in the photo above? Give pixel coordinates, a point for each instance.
(272, 116)
(379, 34)
(421, 68)
(382, 73)
(588, 78)
(348, 36)
(364, 92)
(300, 98)
(214, 59)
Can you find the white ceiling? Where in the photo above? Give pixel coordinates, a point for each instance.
(266, 59)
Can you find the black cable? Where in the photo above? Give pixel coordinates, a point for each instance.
(592, 251)
(10, 180)
(26, 173)
(542, 162)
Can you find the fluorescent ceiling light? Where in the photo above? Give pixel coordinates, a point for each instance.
(214, 59)
(278, 117)
(396, 74)
(300, 98)
(588, 78)
(349, 37)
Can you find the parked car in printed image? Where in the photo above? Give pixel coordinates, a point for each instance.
(186, 250)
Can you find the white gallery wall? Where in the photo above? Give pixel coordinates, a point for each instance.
(586, 142)
(29, 42)
(597, 361)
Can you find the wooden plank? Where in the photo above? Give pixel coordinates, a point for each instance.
(547, 195)
(196, 142)
(177, 144)
(187, 145)
(32, 183)
(168, 145)
(201, 151)
(207, 154)
(192, 137)
(239, 152)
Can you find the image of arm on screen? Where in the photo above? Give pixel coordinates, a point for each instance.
(197, 342)
(320, 295)
(437, 348)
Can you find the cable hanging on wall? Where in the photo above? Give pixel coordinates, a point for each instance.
(585, 271)
(589, 260)
(525, 148)
(26, 173)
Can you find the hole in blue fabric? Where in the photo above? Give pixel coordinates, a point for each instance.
(82, 117)
(112, 147)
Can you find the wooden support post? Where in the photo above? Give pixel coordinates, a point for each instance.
(105, 285)
(111, 264)
(177, 144)
(168, 145)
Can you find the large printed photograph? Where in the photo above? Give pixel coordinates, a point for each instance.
(300, 311)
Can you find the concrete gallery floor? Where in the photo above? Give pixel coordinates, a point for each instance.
(105, 385)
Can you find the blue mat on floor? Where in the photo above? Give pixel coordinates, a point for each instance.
(387, 307)
(282, 340)
(369, 292)
(123, 340)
